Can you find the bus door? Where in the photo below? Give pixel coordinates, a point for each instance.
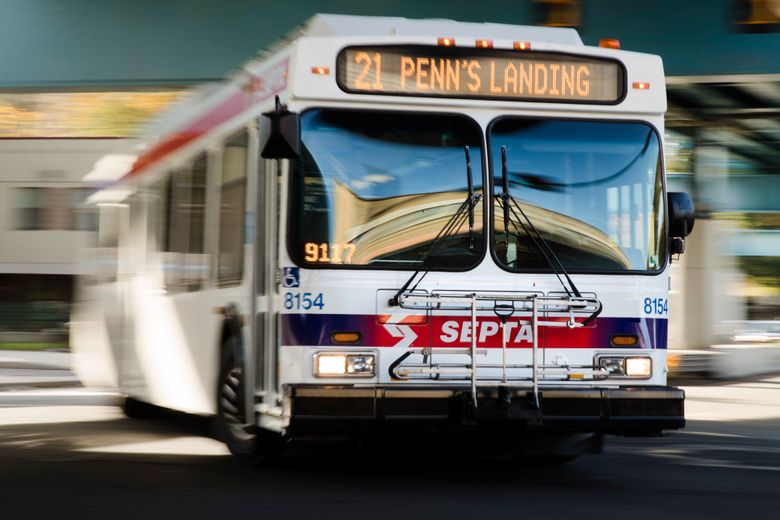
(264, 357)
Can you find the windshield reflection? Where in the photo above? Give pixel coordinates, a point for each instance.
(592, 189)
(376, 188)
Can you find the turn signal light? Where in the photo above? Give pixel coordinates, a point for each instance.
(627, 340)
(345, 337)
(641, 85)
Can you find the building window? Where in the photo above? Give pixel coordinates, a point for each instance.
(30, 208)
(54, 209)
(82, 216)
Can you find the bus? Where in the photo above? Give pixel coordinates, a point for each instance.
(384, 225)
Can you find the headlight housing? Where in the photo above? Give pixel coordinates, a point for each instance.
(344, 364)
(634, 367)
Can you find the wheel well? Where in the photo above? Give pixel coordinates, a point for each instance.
(231, 326)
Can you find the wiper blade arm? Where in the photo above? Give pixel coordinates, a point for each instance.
(471, 196)
(505, 195)
(541, 244)
(465, 210)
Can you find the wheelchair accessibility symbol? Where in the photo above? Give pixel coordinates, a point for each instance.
(291, 277)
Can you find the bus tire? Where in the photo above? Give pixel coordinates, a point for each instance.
(248, 443)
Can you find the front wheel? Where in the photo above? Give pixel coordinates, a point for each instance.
(243, 438)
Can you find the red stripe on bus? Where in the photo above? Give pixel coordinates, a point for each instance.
(254, 91)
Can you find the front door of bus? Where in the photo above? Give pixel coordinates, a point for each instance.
(264, 356)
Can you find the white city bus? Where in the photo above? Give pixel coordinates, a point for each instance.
(398, 225)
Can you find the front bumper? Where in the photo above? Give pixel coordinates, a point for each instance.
(347, 409)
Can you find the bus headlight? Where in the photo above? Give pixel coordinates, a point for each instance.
(342, 364)
(639, 367)
(625, 366)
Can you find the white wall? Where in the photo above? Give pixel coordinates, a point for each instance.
(44, 163)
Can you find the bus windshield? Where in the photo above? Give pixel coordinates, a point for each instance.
(375, 188)
(592, 189)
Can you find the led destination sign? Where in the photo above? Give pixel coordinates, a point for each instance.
(458, 72)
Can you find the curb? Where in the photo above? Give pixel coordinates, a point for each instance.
(25, 385)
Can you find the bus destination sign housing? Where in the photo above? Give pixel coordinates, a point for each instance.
(458, 72)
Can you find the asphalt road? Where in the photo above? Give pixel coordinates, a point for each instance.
(70, 453)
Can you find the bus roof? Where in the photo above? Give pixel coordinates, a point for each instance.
(196, 115)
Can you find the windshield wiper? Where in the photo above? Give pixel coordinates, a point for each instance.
(507, 203)
(470, 197)
(464, 211)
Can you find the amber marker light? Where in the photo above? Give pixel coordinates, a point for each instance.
(446, 42)
(322, 71)
(345, 337)
(624, 340)
(484, 44)
(609, 43)
(521, 46)
(641, 85)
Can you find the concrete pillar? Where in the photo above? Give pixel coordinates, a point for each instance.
(706, 282)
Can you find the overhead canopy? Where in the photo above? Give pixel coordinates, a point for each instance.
(182, 42)
(742, 114)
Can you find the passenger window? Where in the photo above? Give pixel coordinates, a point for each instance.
(231, 211)
(186, 264)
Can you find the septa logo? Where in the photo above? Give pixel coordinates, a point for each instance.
(488, 332)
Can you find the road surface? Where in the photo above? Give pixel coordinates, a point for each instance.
(70, 453)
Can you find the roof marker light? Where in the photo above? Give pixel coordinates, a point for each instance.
(641, 85)
(521, 46)
(484, 44)
(446, 42)
(609, 43)
(323, 71)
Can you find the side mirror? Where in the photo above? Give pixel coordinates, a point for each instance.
(681, 214)
(284, 136)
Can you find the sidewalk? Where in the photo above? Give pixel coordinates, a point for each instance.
(35, 369)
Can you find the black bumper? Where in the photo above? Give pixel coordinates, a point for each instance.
(346, 409)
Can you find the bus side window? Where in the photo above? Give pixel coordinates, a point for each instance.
(186, 264)
(232, 189)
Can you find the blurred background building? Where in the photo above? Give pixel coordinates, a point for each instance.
(78, 80)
